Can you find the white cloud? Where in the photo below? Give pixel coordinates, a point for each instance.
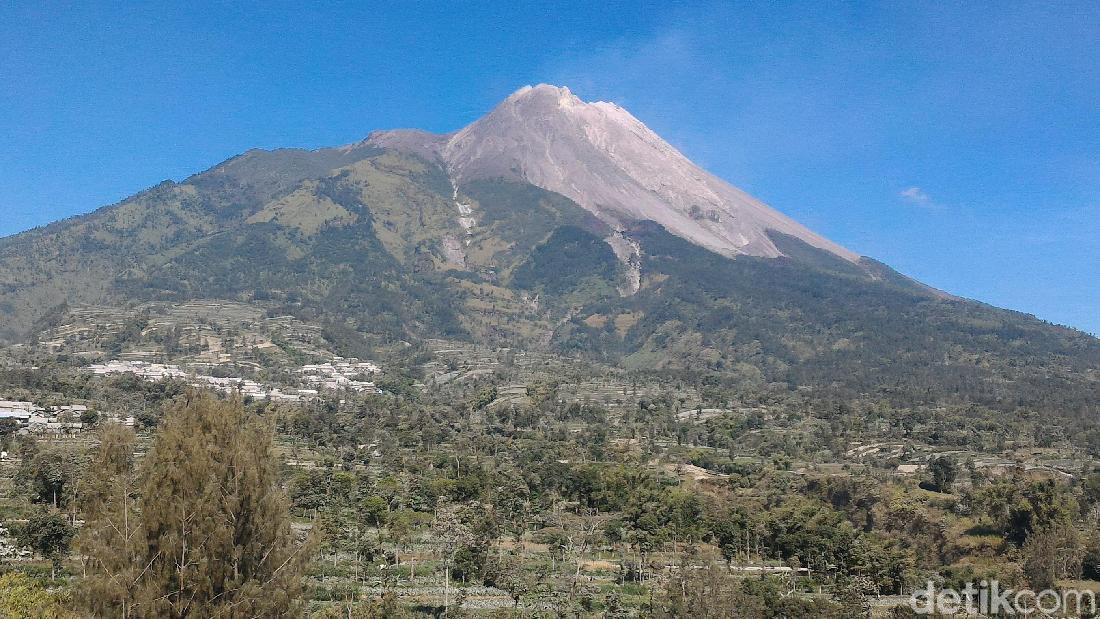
(917, 196)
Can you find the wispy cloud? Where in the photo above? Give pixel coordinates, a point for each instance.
(918, 197)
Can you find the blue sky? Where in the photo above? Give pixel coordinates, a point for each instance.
(959, 144)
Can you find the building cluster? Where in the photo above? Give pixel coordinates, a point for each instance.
(250, 388)
(154, 372)
(31, 418)
(148, 371)
(9, 549)
(339, 374)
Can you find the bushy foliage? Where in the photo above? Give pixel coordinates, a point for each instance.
(208, 533)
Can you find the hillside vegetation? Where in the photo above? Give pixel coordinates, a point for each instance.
(370, 241)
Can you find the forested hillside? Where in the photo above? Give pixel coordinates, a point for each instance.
(382, 244)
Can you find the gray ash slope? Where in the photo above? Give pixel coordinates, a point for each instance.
(607, 161)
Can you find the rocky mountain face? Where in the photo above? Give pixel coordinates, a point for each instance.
(549, 223)
(611, 164)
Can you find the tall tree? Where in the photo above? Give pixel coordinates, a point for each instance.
(944, 470)
(215, 537)
(48, 533)
(47, 474)
(110, 541)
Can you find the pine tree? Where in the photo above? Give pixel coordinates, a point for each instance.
(214, 538)
(110, 540)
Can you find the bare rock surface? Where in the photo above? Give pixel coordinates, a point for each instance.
(607, 161)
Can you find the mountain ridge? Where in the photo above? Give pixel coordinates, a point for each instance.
(386, 240)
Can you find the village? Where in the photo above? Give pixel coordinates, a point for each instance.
(52, 420)
(335, 375)
(308, 382)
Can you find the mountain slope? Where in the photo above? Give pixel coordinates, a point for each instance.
(550, 222)
(759, 321)
(608, 162)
